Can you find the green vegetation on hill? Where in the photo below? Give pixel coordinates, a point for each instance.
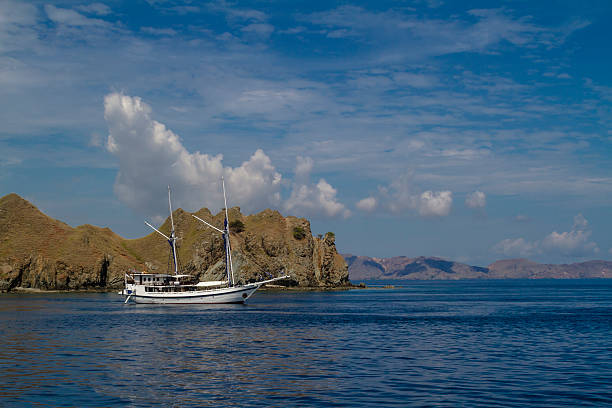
(299, 233)
(236, 226)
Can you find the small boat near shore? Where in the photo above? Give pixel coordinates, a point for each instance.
(167, 288)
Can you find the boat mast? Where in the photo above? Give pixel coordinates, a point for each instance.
(172, 239)
(229, 269)
(228, 249)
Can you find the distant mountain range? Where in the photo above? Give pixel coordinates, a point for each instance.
(430, 268)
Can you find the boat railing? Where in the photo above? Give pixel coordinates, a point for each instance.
(181, 288)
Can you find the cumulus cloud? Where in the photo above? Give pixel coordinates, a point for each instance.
(570, 243)
(313, 199)
(575, 242)
(401, 196)
(152, 156)
(435, 204)
(367, 204)
(580, 223)
(516, 247)
(477, 199)
(303, 167)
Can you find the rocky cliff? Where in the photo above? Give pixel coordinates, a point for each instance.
(37, 251)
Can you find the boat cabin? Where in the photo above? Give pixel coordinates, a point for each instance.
(162, 282)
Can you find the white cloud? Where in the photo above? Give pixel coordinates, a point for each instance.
(303, 168)
(271, 102)
(158, 31)
(435, 204)
(71, 18)
(367, 204)
(516, 247)
(17, 21)
(575, 242)
(313, 199)
(255, 183)
(484, 32)
(569, 243)
(477, 199)
(399, 196)
(580, 223)
(19, 13)
(95, 8)
(234, 14)
(414, 80)
(262, 30)
(152, 156)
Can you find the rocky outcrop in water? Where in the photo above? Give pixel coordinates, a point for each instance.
(39, 252)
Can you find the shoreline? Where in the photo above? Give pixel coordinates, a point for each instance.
(272, 288)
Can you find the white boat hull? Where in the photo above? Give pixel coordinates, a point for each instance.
(235, 294)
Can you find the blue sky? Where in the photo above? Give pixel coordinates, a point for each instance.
(473, 131)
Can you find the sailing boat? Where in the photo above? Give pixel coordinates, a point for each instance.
(144, 287)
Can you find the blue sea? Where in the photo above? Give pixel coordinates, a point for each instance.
(541, 343)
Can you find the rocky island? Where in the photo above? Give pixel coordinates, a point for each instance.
(40, 252)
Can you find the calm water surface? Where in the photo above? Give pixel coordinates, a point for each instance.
(469, 343)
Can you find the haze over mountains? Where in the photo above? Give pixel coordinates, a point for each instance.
(402, 267)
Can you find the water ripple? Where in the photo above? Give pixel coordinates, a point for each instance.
(448, 344)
